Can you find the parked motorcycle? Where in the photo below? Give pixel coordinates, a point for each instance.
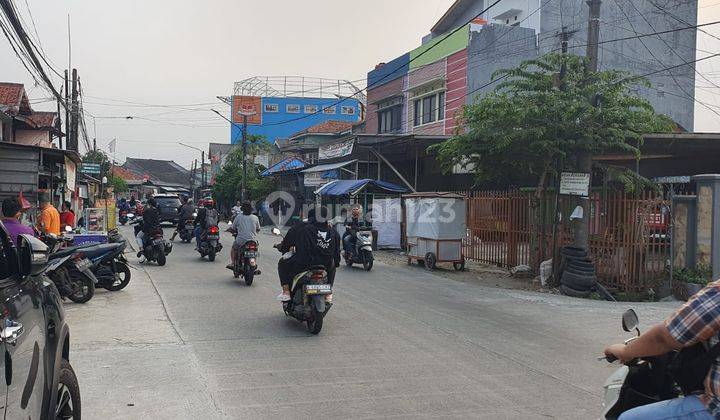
(652, 379)
(361, 252)
(308, 302)
(210, 243)
(155, 246)
(109, 265)
(70, 270)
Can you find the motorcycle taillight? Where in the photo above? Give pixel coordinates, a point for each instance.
(252, 247)
(214, 230)
(317, 276)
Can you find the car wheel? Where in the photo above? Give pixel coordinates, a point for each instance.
(68, 393)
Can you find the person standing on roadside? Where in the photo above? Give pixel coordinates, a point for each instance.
(49, 220)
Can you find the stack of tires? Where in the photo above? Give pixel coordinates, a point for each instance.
(578, 272)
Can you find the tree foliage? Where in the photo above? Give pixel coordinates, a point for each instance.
(119, 185)
(228, 183)
(98, 156)
(529, 121)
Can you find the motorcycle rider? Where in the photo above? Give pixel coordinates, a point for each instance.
(351, 227)
(237, 209)
(698, 320)
(185, 213)
(204, 215)
(150, 224)
(246, 227)
(124, 206)
(315, 243)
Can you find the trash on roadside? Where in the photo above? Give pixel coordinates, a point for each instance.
(522, 271)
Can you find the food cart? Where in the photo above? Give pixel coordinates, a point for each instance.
(435, 228)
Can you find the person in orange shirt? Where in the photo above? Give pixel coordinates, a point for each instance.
(49, 220)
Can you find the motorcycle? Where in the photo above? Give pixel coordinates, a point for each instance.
(308, 302)
(245, 263)
(653, 379)
(155, 248)
(361, 252)
(210, 243)
(123, 219)
(109, 265)
(186, 231)
(70, 270)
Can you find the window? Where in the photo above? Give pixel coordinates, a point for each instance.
(347, 110)
(292, 109)
(311, 109)
(429, 109)
(329, 110)
(390, 115)
(271, 107)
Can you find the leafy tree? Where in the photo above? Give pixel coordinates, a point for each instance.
(119, 185)
(228, 183)
(98, 156)
(530, 120)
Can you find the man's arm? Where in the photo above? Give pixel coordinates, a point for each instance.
(654, 342)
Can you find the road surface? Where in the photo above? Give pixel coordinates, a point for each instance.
(189, 341)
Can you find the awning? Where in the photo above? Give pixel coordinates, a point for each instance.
(350, 188)
(329, 166)
(285, 165)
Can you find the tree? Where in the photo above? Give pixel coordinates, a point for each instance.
(228, 182)
(531, 120)
(119, 185)
(98, 156)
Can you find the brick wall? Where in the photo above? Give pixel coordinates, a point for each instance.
(456, 88)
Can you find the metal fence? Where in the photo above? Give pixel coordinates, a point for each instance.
(629, 235)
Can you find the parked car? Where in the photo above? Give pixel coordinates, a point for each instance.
(39, 381)
(168, 205)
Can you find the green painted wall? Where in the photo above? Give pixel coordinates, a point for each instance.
(444, 48)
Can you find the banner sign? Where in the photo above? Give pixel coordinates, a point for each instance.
(69, 174)
(247, 104)
(336, 150)
(574, 184)
(90, 168)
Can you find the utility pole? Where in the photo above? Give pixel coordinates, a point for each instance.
(585, 158)
(67, 111)
(203, 169)
(243, 190)
(73, 144)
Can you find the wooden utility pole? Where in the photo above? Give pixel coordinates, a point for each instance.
(585, 158)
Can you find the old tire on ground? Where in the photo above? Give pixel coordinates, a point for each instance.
(67, 403)
(161, 259)
(574, 293)
(430, 261)
(84, 289)
(573, 252)
(581, 271)
(578, 282)
(122, 278)
(315, 322)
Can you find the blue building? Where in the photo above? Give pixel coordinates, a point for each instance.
(283, 106)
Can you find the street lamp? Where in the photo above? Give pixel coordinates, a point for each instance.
(202, 152)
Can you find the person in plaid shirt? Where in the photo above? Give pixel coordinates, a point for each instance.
(696, 321)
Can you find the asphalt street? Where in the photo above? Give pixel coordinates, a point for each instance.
(187, 340)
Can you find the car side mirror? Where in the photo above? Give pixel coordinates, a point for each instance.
(33, 253)
(630, 320)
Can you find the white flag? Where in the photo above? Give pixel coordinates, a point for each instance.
(111, 146)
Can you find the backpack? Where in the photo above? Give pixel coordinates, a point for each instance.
(211, 217)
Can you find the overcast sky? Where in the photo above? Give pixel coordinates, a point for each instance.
(183, 53)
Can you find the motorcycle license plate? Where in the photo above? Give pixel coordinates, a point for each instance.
(83, 264)
(250, 254)
(213, 237)
(318, 289)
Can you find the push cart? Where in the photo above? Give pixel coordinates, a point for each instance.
(435, 226)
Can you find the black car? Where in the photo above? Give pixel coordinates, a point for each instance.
(39, 381)
(168, 206)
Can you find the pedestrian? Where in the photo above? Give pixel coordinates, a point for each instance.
(12, 212)
(67, 216)
(49, 220)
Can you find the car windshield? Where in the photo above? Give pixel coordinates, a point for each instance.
(168, 201)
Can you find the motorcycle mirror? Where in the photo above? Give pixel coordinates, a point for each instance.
(275, 231)
(68, 229)
(630, 320)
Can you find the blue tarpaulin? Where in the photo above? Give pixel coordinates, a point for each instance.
(351, 187)
(285, 165)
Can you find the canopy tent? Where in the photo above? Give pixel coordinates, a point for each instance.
(352, 187)
(286, 165)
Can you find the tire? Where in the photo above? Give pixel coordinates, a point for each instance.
(236, 270)
(86, 289)
(582, 271)
(211, 255)
(573, 252)
(348, 261)
(67, 403)
(430, 261)
(315, 322)
(161, 260)
(459, 266)
(574, 293)
(124, 272)
(249, 275)
(577, 282)
(367, 260)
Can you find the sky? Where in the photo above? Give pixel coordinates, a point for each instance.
(178, 55)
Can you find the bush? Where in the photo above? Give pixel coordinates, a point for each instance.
(701, 274)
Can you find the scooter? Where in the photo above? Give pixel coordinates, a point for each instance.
(653, 379)
(186, 231)
(308, 295)
(245, 263)
(70, 270)
(210, 243)
(361, 253)
(109, 265)
(156, 248)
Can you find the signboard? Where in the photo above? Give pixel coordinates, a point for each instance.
(314, 179)
(574, 184)
(69, 174)
(336, 150)
(247, 104)
(90, 168)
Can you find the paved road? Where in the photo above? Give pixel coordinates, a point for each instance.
(188, 341)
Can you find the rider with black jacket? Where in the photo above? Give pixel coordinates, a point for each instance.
(315, 243)
(150, 223)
